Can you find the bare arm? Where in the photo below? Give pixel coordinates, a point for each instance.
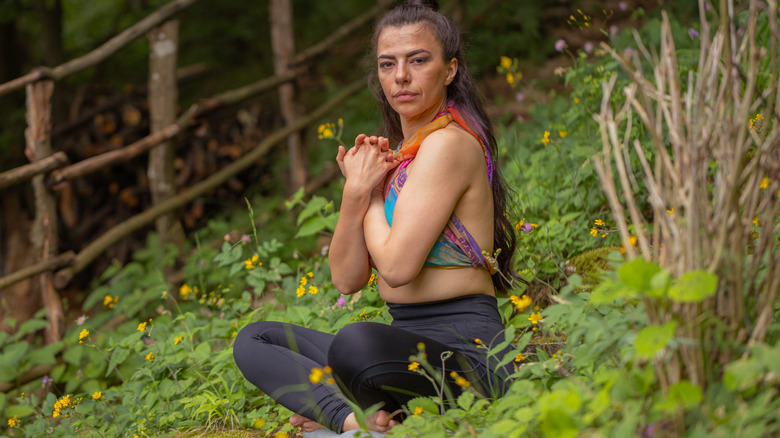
(365, 167)
(443, 171)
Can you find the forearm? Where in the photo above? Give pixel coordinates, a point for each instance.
(388, 253)
(348, 255)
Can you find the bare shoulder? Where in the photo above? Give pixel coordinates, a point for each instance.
(452, 145)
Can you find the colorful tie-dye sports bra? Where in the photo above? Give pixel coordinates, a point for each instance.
(455, 246)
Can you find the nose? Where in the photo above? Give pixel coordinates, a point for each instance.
(401, 73)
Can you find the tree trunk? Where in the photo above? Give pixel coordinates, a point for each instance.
(283, 45)
(44, 229)
(163, 97)
(50, 21)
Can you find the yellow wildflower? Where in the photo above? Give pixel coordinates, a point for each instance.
(546, 138)
(764, 183)
(281, 435)
(670, 212)
(632, 240)
(519, 225)
(372, 278)
(521, 303)
(313, 290)
(417, 411)
(510, 79)
(141, 326)
(453, 374)
(109, 301)
(755, 221)
(599, 222)
(535, 318)
(330, 381)
(259, 423)
(594, 232)
(300, 291)
(462, 382)
(177, 340)
(576, 100)
(327, 370)
(12, 422)
(506, 62)
(96, 395)
(310, 274)
(414, 366)
(533, 225)
(185, 291)
(304, 281)
(316, 375)
(519, 357)
(84, 333)
(562, 133)
(150, 356)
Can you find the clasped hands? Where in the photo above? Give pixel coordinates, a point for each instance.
(368, 162)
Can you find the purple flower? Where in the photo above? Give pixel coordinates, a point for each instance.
(46, 381)
(559, 45)
(707, 7)
(526, 227)
(588, 47)
(622, 6)
(340, 302)
(80, 320)
(324, 250)
(246, 238)
(612, 31)
(520, 97)
(692, 32)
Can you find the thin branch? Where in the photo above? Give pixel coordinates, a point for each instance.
(26, 172)
(99, 54)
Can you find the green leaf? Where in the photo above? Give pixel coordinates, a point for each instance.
(202, 352)
(682, 395)
(694, 287)
(425, 403)
(557, 423)
(313, 225)
(45, 355)
(13, 353)
(299, 314)
(30, 326)
(296, 198)
(465, 400)
(117, 357)
(653, 338)
(637, 274)
(313, 207)
(20, 411)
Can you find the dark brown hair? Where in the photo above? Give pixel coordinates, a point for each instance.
(464, 94)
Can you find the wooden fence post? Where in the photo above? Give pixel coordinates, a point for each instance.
(44, 230)
(283, 45)
(163, 98)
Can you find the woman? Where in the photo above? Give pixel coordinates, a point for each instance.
(421, 216)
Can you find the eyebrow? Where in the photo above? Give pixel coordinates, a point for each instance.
(408, 55)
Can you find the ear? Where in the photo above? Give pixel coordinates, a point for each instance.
(452, 70)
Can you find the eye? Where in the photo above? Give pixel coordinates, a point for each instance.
(420, 60)
(385, 64)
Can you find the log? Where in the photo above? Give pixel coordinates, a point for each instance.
(51, 264)
(44, 230)
(283, 46)
(110, 237)
(101, 53)
(163, 98)
(26, 172)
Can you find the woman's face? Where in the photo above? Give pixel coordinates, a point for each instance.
(412, 71)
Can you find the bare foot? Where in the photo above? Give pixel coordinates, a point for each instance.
(304, 423)
(380, 421)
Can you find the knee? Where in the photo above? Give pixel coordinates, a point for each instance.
(354, 345)
(245, 339)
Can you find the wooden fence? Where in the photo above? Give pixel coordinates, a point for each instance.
(48, 168)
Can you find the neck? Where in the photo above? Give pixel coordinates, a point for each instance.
(411, 125)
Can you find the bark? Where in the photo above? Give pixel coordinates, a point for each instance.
(163, 97)
(24, 173)
(101, 53)
(44, 229)
(283, 46)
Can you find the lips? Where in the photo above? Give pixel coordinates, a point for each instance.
(404, 95)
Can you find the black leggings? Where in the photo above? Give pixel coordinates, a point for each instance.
(370, 360)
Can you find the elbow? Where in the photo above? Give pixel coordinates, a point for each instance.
(346, 288)
(397, 277)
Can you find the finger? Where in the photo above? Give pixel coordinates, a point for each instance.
(384, 144)
(360, 139)
(340, 154)
(373, 140)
